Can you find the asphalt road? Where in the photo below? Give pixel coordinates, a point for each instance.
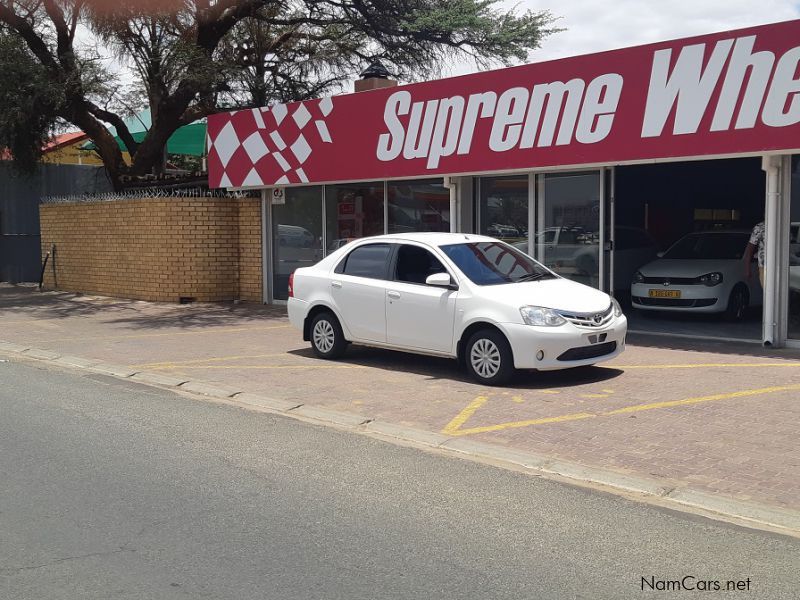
(109, 489)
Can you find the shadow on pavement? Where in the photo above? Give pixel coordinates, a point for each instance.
(204, 315)
(434, 368)
(28, 301)
(710, 345)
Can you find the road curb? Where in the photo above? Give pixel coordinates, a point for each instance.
(41, 354)
(660, 492)
(418, 436)
(327, 415)
(268, 403)
(10, 347)
(158, 379)
(111, 369)
(199, 387)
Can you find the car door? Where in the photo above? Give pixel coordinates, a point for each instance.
(418, 315)
(358, 288)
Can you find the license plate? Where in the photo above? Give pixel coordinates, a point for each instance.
(665, 293)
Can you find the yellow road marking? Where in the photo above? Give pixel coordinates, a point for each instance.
(517, 399)
(698, 399)
(167, 368)
(204, 360)
(790, 364)
(594, 395)
(548, 391)
(172, 333)
(454, 427)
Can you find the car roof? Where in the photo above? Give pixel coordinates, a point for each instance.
(432, 238)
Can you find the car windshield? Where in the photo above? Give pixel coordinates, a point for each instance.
(493, 263)
(709, 246)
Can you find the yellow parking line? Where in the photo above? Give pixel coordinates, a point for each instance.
(172, 333)
(698, 399)
(166, 368)
(454, 427)
(795, 364)
(204, 360)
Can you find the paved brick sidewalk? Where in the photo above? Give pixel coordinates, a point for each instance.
(716, 417)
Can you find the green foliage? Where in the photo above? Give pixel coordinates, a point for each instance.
(29, 104)
(190, 60)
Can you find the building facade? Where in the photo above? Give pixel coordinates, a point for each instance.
(594, 165)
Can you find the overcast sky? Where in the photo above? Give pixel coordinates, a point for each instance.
(593, 26)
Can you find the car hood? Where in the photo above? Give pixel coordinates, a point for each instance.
(561, 294)
(664, 267)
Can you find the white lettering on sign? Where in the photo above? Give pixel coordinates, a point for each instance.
(521, 118)
(687, 89)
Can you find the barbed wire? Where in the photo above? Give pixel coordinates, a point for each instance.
(154, 193)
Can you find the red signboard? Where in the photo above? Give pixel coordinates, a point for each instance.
(727, 93)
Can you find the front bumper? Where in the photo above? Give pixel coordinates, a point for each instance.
(565, 346)
(693, 298)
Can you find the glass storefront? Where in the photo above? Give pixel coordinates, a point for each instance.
(296, 235)
(794, 253)
(422, 205)
(568, 239)
(352, 211)
(503, 209)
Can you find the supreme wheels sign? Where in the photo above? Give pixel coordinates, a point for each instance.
(722, 94)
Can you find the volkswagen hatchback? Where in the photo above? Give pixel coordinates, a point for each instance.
(469, 297)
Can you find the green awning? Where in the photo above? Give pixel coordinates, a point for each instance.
(188, 140)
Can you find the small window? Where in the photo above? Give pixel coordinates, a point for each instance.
(370, 261)
(415, 264)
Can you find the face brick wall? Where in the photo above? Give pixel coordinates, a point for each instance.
(156, 249)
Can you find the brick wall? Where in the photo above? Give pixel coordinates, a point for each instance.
(156, 249)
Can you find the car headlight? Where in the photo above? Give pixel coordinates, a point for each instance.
(541, 317)
(617, 307)
(711, 279)
(638, 277)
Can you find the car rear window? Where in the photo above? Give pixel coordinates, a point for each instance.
(368, 261)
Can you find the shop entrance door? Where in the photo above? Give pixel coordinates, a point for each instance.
(569, 236)
(296, 236)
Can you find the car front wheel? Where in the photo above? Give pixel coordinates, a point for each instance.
(327, 339)
(488, 357)
(737, 304)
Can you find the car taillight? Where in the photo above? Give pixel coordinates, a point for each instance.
(291, 285)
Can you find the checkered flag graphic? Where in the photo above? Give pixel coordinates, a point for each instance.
(271, 146)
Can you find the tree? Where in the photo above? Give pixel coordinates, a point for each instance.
(185, 54)
(30, 104)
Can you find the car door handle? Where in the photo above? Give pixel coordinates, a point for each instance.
(336, 284)
(393, 295)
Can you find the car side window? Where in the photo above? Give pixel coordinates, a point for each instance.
(415, 264)
(371, 260)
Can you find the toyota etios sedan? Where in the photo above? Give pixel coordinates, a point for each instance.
(469, 297)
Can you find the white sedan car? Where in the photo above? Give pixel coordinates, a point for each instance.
(469, 297)
(702, 272)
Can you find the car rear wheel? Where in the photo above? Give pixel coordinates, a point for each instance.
(327, 338)
(488, 357)
(737, 304)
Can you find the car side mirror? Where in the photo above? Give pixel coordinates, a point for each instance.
(440, 280)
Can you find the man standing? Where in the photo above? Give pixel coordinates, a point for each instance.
(756, 244)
